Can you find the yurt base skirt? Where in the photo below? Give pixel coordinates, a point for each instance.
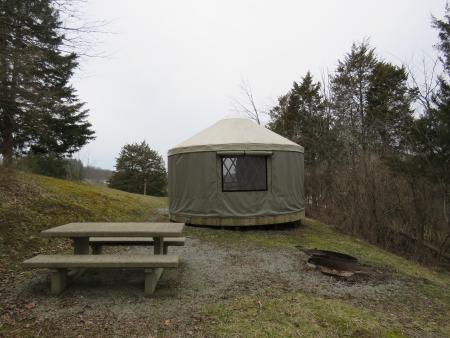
(239, 221)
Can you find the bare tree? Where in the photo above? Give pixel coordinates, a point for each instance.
(326, 90)
(427, 85)
(81, 34)
(247, 104)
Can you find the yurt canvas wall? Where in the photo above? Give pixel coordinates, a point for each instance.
(236, 173)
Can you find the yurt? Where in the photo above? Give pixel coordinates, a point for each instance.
(236, 173)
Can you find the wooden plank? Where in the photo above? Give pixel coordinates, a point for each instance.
(115, 230)
(102, 261)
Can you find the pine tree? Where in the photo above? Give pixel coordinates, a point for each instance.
(301, 116)
(389, 109)
(371, 103)
(431, 132)
(139, 169)
(438, 118)
(40, 112)
(350, 86)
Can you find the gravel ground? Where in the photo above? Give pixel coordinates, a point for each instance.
(113, 301)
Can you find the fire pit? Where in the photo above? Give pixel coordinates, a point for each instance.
(334, 263)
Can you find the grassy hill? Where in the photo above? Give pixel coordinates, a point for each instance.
(31, 203)
(406, 299)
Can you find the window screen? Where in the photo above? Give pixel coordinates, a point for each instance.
(244, 173)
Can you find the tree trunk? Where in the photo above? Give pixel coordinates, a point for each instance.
(7, 96)
(6, 135)
(7, 147)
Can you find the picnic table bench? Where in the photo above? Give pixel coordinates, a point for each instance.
(64, 268)
(59, 266)
(97, 243)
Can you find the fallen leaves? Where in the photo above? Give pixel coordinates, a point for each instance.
(30, 306)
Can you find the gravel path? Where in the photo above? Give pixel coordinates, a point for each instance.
(209, 272)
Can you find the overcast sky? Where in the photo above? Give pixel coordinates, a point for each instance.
(173, 67)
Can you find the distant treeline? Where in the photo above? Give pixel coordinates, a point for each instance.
(66, 168)
(377, 147)
(96, 175)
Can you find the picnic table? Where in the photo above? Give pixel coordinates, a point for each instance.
(80, 233)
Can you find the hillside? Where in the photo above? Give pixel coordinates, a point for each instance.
(403, 299)
(253, 283)
(30, 203)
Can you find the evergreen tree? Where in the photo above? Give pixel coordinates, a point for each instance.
(350, 86)
(371, 103)
(300, 116)
(40, 112)
(431, 133)
(139, 169)
(437, 120)
(389, 114)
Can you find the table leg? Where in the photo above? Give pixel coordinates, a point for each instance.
(58, 281)
(152, 277)
(81, 245)
(158, 245)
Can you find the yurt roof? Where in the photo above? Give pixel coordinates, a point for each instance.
(235, 134)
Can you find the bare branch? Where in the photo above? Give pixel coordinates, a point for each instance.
(79, 31)
(249, 107)
(326, 90)
(427, 86)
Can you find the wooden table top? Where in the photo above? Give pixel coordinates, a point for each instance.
(118, 229)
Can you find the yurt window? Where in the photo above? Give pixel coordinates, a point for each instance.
(244, 173)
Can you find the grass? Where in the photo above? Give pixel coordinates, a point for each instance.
(271, 314)
(31, 203)
(421, 308)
